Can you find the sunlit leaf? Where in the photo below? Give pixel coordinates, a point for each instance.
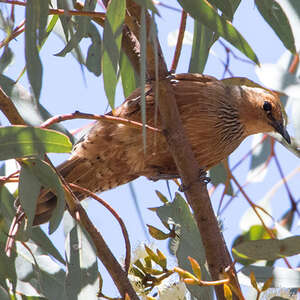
(31, 111)
(21, 141)
(29, 190)
(49, 180)
(259, 158)
(112, 37)
(5, 59)
(33, 63)
(82, 277)
(207, 15)
(190, 243)
(275, 16)
(269, 249)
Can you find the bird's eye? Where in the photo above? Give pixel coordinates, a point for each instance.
(267, 106)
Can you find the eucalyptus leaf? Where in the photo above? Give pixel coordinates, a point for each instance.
(82, 276)
(33, 62)
(6, 59)
(22, 141)
(49, 180)
(269, 249)
(32, 112)
(29, 190)
(190, 243)
(112, 37)
(275, 16)
(203, 12)
(259, 158)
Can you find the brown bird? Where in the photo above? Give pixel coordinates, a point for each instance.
(216, 119)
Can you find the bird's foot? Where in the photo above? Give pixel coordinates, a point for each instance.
(202, 177)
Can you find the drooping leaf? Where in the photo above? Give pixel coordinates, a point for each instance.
(202, 42)
(22, 141)
(203, 12)
(275, 16)
(6, 59)
(29, 190)
(282, 277)
(190, 243)
(259, 158)
(39, 237)
(46, 279)
(218, 174)
(93, 59)
(147, 4)
(112, 37)
(128, 75)
(223, 5)
(32, 112)
(35, 20)
(269, 249)
(49, 180)
(82, 276)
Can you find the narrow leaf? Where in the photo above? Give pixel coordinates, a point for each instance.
(269, 249)
(49, 180)
(33, 62)
(275, 16)
(22, 141)
(203, 12)
(82, 275)
(29, 190)
(112, 37)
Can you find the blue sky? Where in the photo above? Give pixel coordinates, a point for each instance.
(65, 89)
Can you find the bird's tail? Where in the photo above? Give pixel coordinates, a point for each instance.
(47, 199)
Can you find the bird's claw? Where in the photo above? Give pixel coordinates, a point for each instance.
(203, 178)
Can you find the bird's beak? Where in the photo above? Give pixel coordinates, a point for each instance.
(278, 126)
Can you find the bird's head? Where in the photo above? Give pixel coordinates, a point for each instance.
(263, 112)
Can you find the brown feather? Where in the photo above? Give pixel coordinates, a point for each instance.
(216, 119)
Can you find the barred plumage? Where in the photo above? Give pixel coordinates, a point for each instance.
(216, 119)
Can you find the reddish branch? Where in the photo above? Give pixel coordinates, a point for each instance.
(115, 214)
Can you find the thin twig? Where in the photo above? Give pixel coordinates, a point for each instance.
(179, 41)
(105, 118)
(115, 214)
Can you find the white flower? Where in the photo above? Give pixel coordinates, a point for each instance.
(174, 291)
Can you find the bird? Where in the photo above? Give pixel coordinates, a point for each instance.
(216, 118)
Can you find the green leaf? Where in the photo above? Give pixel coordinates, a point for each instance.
(22, 141)
(33, 63)
(275, 16)
(283, 277)
(190, 243)
(46, 278)
(218, 174)
(32, 112)
(49, 180)
(82, 276)
(203, 12)
(269, 249)
(93, 60)
(223, 5)
(29, 190)
(259, 158)
(39, 237)
(128, 75)
(147, 4)
(202, 42)
(112, 37)
(6, 59)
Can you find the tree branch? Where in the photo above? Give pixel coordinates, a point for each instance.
(217, 254)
